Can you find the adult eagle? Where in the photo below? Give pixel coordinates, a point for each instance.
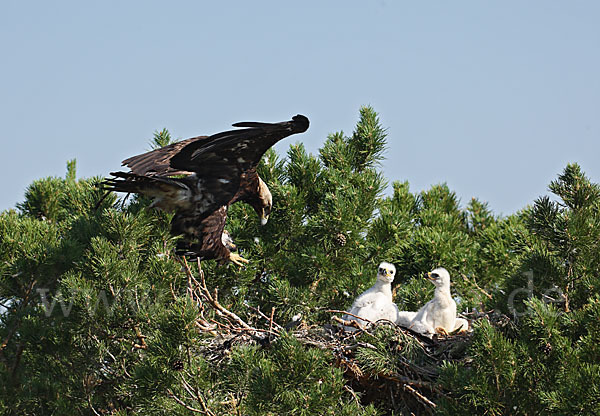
(199, 178)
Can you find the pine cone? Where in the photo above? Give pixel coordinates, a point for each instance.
(546, 348)
(340, 239)
(177, 365)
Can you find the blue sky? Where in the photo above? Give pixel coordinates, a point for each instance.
(493, 98)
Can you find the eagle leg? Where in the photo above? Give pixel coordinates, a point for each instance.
(237, 259)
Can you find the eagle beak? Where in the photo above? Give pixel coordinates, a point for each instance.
(429, 276)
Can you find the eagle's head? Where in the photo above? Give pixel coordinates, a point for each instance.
(386, 272)
(439, 277)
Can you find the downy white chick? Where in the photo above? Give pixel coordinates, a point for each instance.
(439, 314)
(376, 302)
(405, 318)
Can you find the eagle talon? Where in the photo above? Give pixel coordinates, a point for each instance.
(197, 179)
(237, 259)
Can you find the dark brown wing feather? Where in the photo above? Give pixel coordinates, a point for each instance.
(248, 190)
(235, 151)
(157, 161)
(224, 162)
(224, 165)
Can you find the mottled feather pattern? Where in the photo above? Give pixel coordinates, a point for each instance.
(158, 161)
(208, 230)
(217, 171)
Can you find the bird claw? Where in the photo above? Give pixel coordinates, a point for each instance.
(440, 330)
(460, 331)
(237, 259)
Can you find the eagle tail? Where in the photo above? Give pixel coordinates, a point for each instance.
(151, 186)
(193, 251)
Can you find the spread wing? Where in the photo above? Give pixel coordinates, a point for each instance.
(158, 161)
(233, 152)
(215, 167)
(223, 162)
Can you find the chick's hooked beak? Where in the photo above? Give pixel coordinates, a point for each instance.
(385, 272)
(429, 276)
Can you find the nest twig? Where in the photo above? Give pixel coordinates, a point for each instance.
(411, 385)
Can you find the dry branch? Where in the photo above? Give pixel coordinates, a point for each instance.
(414, 383)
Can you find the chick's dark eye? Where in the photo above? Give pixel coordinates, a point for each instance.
(381, 270)
(435, 275)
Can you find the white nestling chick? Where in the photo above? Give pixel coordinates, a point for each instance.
(376, 302)
(439, 314)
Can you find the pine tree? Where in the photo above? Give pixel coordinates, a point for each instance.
(100, 316)
(546, 359)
